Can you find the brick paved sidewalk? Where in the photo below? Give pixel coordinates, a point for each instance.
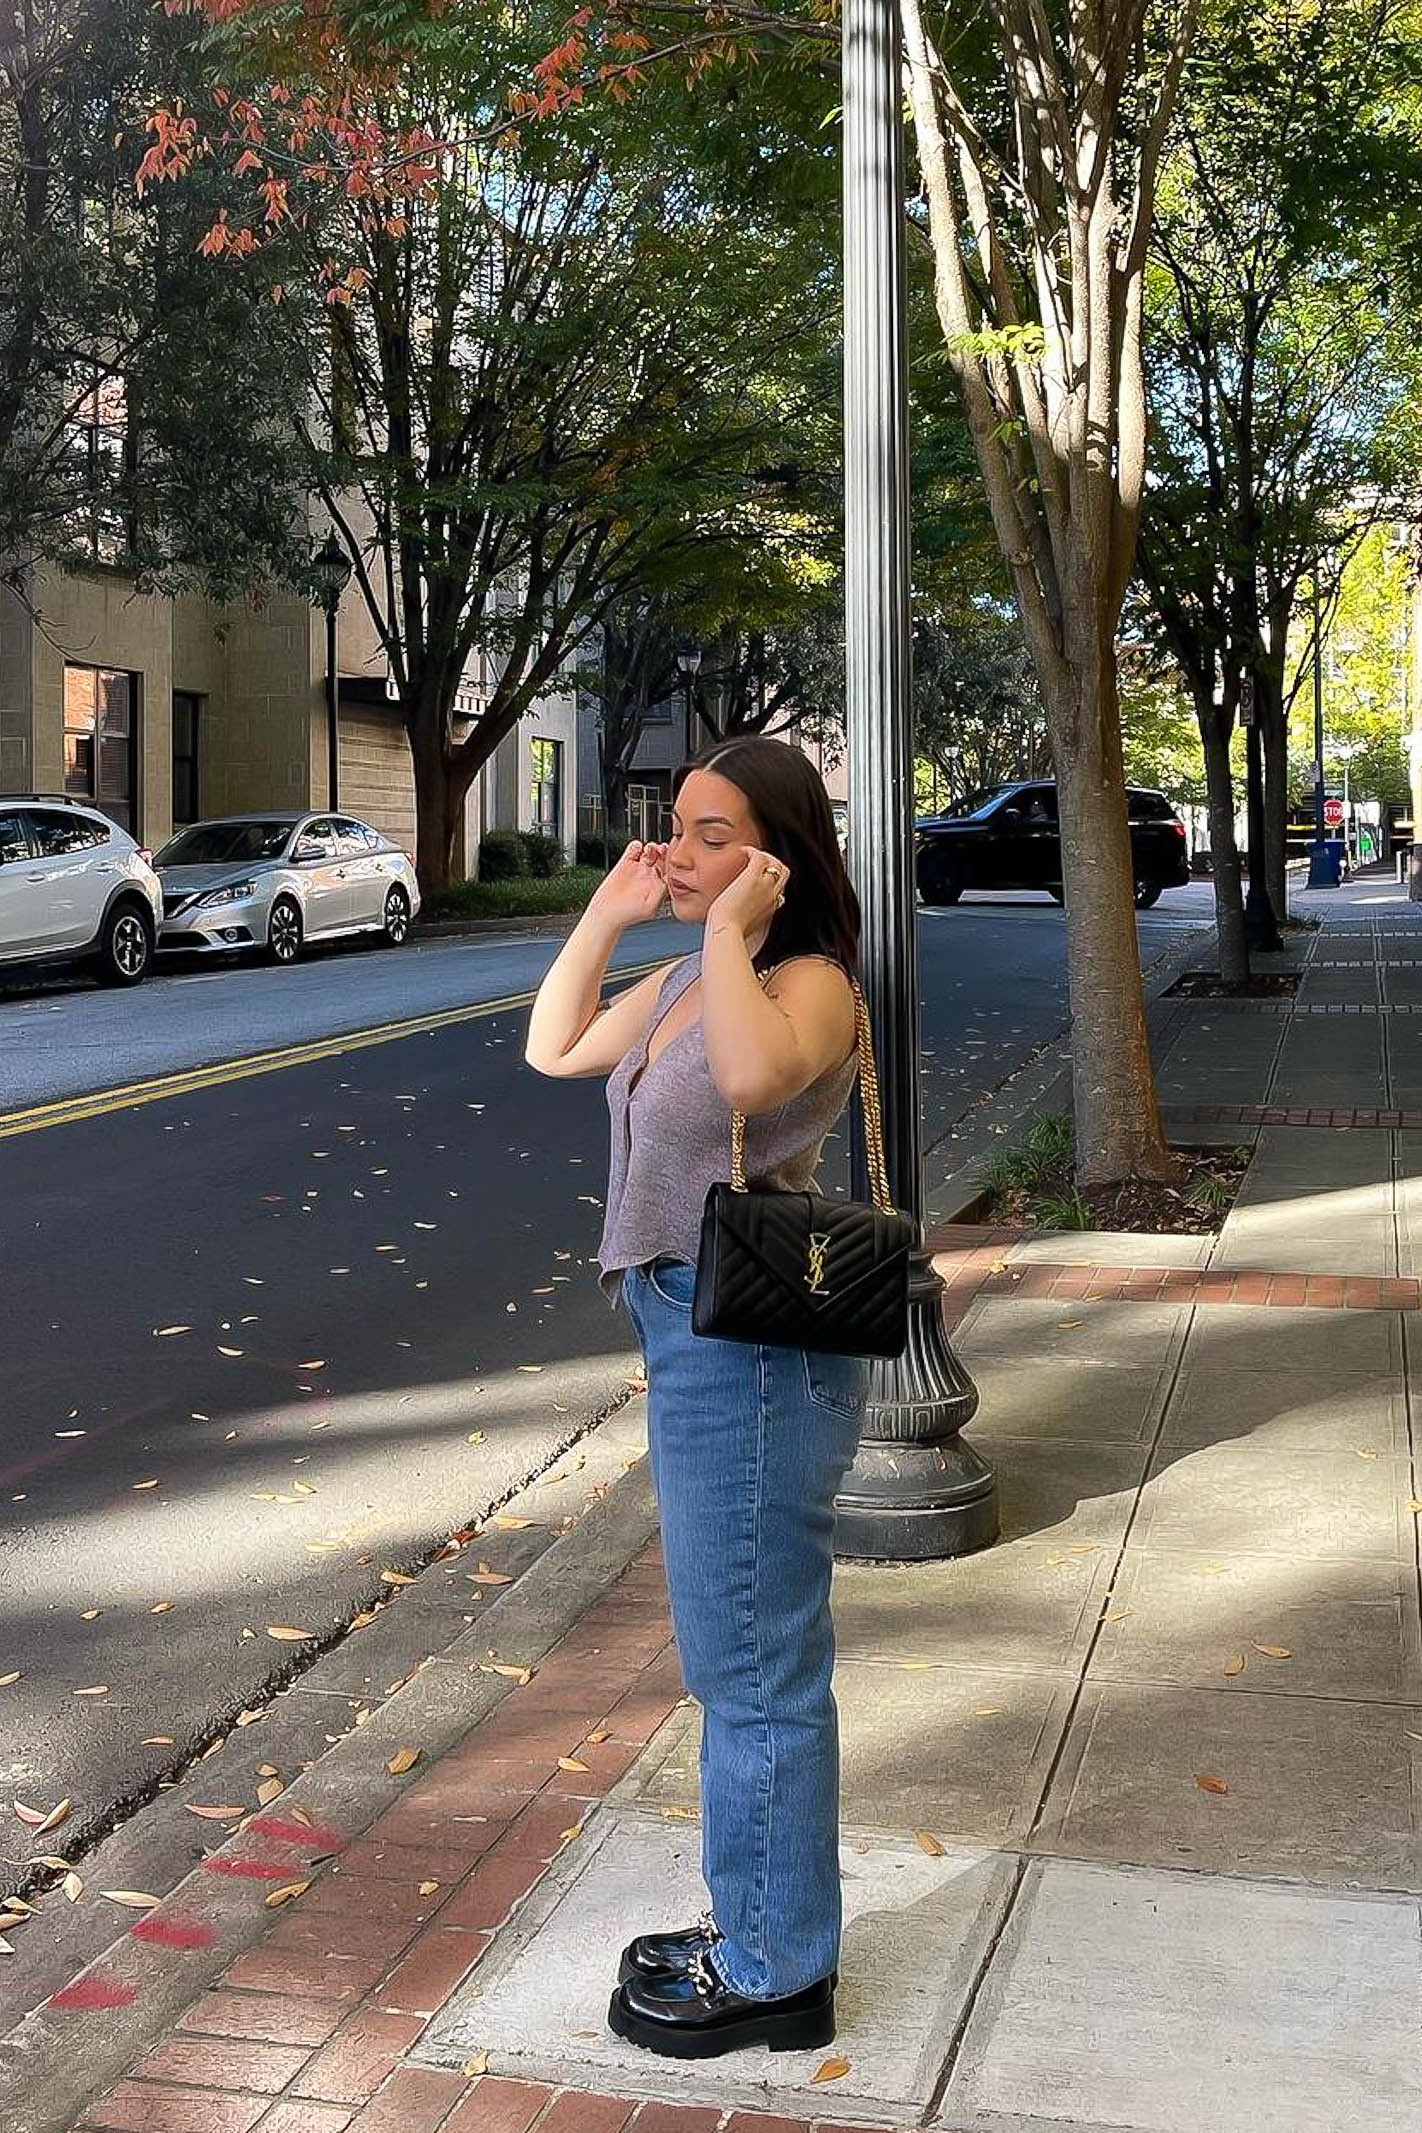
(304, 2033)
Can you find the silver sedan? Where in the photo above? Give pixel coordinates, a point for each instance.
(273, 882)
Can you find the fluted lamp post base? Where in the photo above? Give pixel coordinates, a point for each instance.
(916, 1491)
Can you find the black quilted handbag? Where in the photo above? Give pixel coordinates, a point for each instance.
(797, 1270)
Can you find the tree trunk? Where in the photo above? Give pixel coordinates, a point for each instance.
(1228, 873)
(1118, 1125)
(439, 801)
(1275, 737)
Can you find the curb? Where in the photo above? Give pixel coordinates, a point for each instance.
(73, 2046)
(552, 923)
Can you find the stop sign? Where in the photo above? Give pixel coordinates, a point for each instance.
(1333, 813)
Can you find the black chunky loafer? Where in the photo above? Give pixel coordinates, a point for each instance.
(692, 2014)
(653, 1954)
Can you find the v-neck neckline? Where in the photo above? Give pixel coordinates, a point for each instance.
(647, 1062)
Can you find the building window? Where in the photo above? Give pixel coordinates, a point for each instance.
(101, 740)
(187, 709)
(98, 438)
(644, 813)
(548, 787)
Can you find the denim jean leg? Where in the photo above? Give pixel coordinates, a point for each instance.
(752, 1444)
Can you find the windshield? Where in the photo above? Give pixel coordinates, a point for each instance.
(973, 803)
(213, 844)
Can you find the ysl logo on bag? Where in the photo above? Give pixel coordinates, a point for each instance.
(819, 1245)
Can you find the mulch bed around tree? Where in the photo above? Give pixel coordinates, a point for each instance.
(1209, 985)
(1209, 1183)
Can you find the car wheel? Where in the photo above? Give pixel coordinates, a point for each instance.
(125, 946)
(284, 932)
(937, 886)
(1147, 893)
(397, 918)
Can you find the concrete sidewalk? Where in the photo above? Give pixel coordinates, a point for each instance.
(1130, 1833)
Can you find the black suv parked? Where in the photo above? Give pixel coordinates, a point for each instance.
(1007, 838)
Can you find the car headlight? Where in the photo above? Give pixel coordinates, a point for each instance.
(235, 893)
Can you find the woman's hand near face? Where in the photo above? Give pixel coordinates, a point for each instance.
(635, 890)
(751, 901)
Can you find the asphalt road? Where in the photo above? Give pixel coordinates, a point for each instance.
(265, 1339)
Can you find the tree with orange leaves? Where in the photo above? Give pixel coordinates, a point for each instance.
(549, 364)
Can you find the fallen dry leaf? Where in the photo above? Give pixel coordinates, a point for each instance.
(1236, 1664)
(1274, 1651)
(131, 1899)
(284, 1634)
(213, 1814)
(38, 1818)
(831, 2070)
(570, 1762)
(145, 1484)
(90, 1614)
(1207, 1783)
(160, 1607)
(72, 1886)
(395, 1577)
(99, 1688)
(284, 1895)
(927, 1842)
(163, 1333)
(157, 1740)
(678, 1814)
(402, 1760)
(485, 1576)
(427, 1888)
(473, 2068)
(512, 1525)
(595, 1740)
(7, 1681)
(270, 1789)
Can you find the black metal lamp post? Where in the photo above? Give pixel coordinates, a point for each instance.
(688, 659)
(332, 568)
(1320, 859)
(1261, 925)
(916, 1490)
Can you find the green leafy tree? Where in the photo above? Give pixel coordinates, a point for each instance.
(1282, 370)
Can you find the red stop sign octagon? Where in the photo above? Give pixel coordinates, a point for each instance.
(1333, 813)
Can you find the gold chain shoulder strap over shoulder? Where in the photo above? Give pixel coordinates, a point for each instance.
(869, 1097)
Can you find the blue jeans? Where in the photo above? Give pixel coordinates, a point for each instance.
(748, 1448)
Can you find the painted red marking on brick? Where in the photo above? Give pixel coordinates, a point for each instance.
(312, 1835)
(249, 1869)
(92, 1992)
(174, 1932)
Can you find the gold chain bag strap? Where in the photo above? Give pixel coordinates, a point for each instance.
(799, 1270)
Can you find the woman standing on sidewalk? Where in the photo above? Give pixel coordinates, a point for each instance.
(748, 1444)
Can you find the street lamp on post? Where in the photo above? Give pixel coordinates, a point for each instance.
(688, 659)
(332, 569)
(916, 1491)
(1321, 871)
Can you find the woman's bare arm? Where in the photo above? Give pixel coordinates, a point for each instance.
(572, 1032)
(765, 1043)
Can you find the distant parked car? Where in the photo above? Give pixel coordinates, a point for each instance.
(74, 887)
(271, 883)
(1007, 837)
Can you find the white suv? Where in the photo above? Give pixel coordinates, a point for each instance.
(74, 887)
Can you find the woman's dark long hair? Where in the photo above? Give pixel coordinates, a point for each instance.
(786, 794)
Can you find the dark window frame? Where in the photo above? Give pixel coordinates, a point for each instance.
(191, 758)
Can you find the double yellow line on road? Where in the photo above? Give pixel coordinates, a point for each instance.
(69, 1110)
